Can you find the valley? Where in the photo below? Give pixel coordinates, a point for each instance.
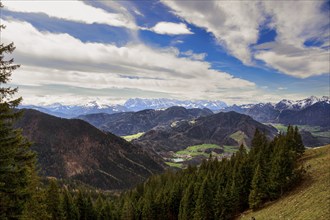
(164, 110)
(174, 138)
(194, 155)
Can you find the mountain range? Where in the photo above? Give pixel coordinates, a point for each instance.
(74, 149)
(263, 112)
(136, 104)
(310, 111)
(91, 153)
(128, 123)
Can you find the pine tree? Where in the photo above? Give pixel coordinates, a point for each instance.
(81, 206)
(300, 148)
(128, 210)
(282, 168)
(187, 204)
(90, 214)
(36, 208)
(107, 211)
(69, 209)
(204, 203)
(99, 207)
(257, 192)
(53, 201)
(17, 162)
(149, 208)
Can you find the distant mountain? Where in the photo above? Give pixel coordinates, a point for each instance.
(138, 104)
(72, 148)
(288, 112)
(300, 104)
(71, 111)
(228, 128)
(316, 114)
(131, 105)
(127, 123)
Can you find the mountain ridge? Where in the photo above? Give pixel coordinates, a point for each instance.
(72, 148)
(288, 112)
(128, 123)
(137, 104)
(212, 129)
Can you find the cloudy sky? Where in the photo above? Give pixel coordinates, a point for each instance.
(235, 51)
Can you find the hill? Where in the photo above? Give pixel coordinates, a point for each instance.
(72, 148)
(310, 200)
(220, 129)
(129, 123)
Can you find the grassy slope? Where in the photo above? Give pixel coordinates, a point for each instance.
(133, 136)
(315, 130)
(240, 137)
(310, 200)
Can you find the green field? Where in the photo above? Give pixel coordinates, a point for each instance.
(239, 137)
(197, 149)
(171, 164)
(310, 200)
(315, 130)
(133, 136)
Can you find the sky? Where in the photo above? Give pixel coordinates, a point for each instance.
(74, 52)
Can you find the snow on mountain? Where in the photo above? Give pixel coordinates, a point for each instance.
(162, 103)
(71, 111)
(137, 104)
(300, 104)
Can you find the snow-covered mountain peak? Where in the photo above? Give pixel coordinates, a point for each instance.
(137, 104)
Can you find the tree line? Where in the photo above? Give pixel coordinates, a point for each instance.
(214, 190)
(221, 189)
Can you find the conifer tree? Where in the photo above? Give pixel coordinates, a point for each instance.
(257, 192)
(187, 204)
(99, 207)
(69, 209)
(128, 210)
(219, 203)
(90, 212)
(300, 148)
(81, 206)
(53, 201)
(282, 168)
(149, 208)
(204, 203)
(17, 162)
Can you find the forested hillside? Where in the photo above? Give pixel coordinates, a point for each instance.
(214, 190)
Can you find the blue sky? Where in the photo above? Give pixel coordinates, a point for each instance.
(74, 52)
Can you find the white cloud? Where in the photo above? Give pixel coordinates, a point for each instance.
(72, 10)
(233, 23)
(194, 56)
(60, 59)
(170, 28)
(236, 26)
(299, 62)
